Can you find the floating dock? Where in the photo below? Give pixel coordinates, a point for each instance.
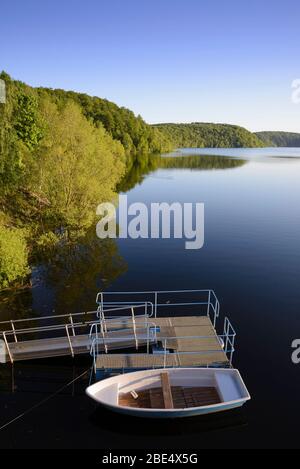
(65, 335)
(184, 341)
(128, 332)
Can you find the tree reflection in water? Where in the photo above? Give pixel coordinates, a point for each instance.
(66, 278)
(141, 166)
(79, 270)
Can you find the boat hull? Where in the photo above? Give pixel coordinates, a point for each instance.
(115, 393)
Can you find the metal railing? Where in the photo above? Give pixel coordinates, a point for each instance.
(226, 344)
(76, 316)
(150, 337)
(126, 306)
(230, 336)
(70, 326)
(206, 303)
(101, 310)
(34, 330)
(226, 340)
(102, 327)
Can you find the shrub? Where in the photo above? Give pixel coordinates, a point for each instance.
(13, 256)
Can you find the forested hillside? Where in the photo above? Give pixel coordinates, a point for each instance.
(204, 135)
(280, 139)
(136, 136)
(56, 166)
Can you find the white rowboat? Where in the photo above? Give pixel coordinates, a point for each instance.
(172, 393)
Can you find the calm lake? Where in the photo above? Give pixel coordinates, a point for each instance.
(251, 259)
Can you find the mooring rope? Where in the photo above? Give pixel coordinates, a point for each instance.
(43, 401)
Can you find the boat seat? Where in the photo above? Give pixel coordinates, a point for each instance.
(167, 392)
(227, 387)
(111, 394)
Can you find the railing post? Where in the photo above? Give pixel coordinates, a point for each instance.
(14, 331)
(146, 314)
(232, 347)
(226, 327)
(148, 340)
(69, 338)
(155, 304)
(104, 342)
(8, 349)
(225, 336)
(134, 329)
(231, 351)
(102, 303)
(72, 323)
(208, 304)
(217, 310)
(165, 354)
(104, 321)
(94, 356)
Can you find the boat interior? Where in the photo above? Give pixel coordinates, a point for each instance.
(163, 391)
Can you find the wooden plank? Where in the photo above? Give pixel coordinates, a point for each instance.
(203, 359)
(167, 392)
(156, 398)
(135, 361)
(190, 321)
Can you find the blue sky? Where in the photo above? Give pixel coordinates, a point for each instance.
(168, 60)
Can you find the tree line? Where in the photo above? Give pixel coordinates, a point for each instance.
(205, 135)
(279, 139)
(131, 131)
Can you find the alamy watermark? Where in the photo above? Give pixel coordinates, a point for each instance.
(160, 220)
(296, 352)
(2, 351)
(2, 92)
(296, 91)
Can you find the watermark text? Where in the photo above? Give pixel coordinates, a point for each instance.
(159, 221)
(296, 91)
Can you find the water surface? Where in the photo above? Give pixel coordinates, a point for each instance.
(251, 258)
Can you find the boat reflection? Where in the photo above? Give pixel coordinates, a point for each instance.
(106, 420)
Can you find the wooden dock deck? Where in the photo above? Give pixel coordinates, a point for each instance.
(191, 341)
(74, 345)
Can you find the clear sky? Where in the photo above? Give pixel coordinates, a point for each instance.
(228, 61)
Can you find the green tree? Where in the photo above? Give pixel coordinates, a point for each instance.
(119, 122)
(77, 165)
(279, 139)
(11, 151)
(13, 256)
(26, 120)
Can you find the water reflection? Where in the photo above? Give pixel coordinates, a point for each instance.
(248, 154)
(15, 303)
(131, 426)
(139, 167)
(66, 279)
(76, 272)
